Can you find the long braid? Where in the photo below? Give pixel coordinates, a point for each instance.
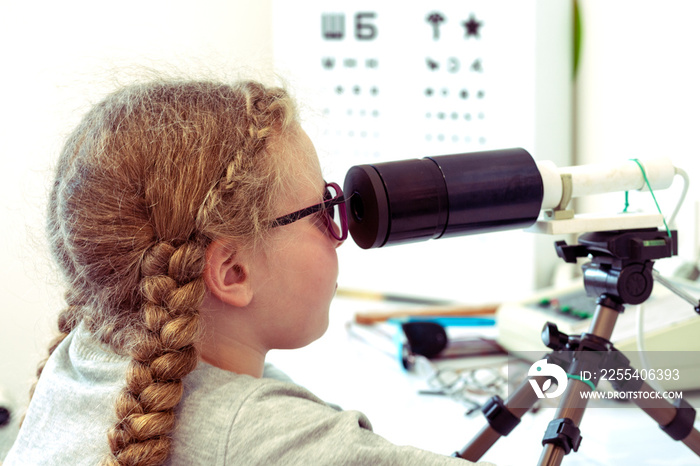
(173, 290)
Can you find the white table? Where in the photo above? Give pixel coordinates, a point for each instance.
(344, 370)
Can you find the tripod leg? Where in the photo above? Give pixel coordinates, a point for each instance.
(675, 419)
(502, 418)
(563, 434)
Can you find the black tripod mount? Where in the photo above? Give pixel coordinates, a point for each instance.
(620, 272)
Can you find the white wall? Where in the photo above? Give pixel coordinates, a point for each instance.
(639, 94)
(57, 59)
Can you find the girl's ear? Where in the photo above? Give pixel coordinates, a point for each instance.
(226, 276)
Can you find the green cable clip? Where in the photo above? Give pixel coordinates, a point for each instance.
(646, 180)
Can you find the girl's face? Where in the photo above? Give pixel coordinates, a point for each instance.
(296, 276)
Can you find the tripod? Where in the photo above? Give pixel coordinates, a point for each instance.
(620, 272)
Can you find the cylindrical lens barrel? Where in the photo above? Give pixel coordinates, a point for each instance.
(450, 195)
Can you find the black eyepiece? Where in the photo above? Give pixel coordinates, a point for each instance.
(437, 197)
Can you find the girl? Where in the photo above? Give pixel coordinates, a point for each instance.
(195, 233)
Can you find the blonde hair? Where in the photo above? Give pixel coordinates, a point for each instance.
(148, 179)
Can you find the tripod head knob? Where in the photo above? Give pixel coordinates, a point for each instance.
(621, 261)
(553, 338)
(631, 283)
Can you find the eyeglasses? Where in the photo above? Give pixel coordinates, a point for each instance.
(334, 215)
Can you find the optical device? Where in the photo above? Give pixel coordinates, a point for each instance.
(451, 195)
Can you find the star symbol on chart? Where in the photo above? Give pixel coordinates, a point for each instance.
(472, 27)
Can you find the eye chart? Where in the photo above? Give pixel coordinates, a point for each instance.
(388, 81)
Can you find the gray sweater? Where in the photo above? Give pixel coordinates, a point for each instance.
(223, 419)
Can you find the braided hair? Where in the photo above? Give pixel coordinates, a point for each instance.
(148, 179)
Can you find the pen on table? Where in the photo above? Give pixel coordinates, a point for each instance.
(448, 321)
(435, 307)
(372, 317)
(391, 297)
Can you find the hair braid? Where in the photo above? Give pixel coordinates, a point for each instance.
(164, 354)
